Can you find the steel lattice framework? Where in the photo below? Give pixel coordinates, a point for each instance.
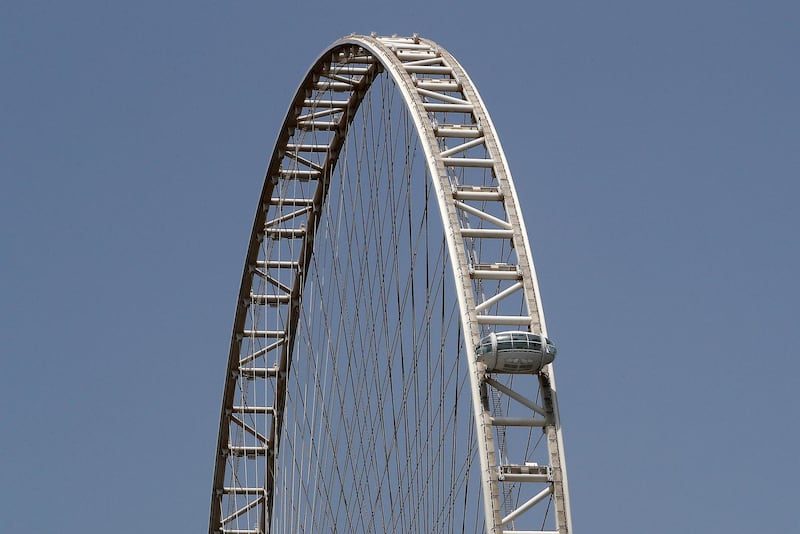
(484, 247)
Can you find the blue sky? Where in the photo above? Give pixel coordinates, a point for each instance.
(655, 148)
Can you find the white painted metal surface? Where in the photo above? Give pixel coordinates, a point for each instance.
(494, 283)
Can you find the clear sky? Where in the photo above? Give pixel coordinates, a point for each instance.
(656, 151)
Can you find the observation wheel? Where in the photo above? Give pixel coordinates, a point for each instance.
(388, 260)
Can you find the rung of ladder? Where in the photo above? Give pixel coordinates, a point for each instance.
(526, 478)
(348, 69)
(253, 409)
(317, 125)
(303, 175)
(468, 162)
(258, 372)
(489, 273)
(443, 106)
(269, 299)
(352, 59)
(525, 473)
(438, 85)
(235, 490)
(291, 201)
(245, 451)
(339, 87)
(416, 55)
(292, 147)
(337, 104)
(400, 46)
(477, 193)
(519, 320)
(490, 233)
(264, 333)
(286, 233)
(428, 69)
(455, 130)
(517, 421)
(277, 264)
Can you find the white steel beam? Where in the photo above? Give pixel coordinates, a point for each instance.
(462, 147)
(520, 320)
(442, 97)
(528, 505)
(428, 69)
(516, 396)
(498, 297)
(483, 215)
(456, 130)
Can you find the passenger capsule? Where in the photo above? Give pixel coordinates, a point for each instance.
(515, 352)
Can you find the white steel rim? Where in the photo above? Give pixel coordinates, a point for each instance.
(522, 478)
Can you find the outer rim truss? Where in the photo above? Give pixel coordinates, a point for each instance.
(461, 149)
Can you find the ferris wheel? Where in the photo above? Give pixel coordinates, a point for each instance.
(389, 368)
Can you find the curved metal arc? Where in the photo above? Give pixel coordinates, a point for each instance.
(458, 255)
(503, 171)
(256, 237)
(533, 296)
(381, 49)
